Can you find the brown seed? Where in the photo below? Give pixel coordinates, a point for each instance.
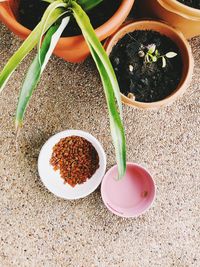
(76, 159)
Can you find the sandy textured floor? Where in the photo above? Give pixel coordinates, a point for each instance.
(38, 229)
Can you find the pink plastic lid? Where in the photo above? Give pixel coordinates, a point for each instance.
(132, 195)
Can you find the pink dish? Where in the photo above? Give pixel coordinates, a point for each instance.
(132, 195)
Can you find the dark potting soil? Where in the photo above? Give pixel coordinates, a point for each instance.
(31, 11)
(191, 3)
(148, 82)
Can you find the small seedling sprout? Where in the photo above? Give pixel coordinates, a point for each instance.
(153, 55)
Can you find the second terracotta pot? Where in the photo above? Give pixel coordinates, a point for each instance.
(72, 49)
(183, 17)
(185, 50)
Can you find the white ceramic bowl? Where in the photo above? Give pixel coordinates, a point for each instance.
(52, 179)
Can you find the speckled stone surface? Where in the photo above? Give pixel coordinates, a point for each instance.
(38, 229)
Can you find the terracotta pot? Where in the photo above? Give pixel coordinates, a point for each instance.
(72, 49)
(185, 18)
(181, 42)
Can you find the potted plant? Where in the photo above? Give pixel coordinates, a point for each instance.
(182, 14)
(71, 48)
(45, 36)
(153, 63)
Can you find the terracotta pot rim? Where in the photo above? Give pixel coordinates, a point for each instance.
(181, 9)
(106, 27)
(186, 79)
(196, 10)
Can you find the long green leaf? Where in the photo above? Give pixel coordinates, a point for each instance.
(89, 4)
(27, 46)
(116, 125)
(47, 14)
(90, 36)
(37, 67)
(110, 85)
(86, 4)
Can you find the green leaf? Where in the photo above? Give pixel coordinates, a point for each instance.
(154, 59)
(147, 59)
(85, 4)
(152, 49)
(151, 56)
(89, 4)
(164, 62)
(47, 14)
(37, 67)
(110, 84)
(171, 54)
(26, 47)
(116, 126)
(90, 37)
(157, 53)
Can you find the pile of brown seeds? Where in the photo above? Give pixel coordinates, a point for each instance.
(76, 158)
